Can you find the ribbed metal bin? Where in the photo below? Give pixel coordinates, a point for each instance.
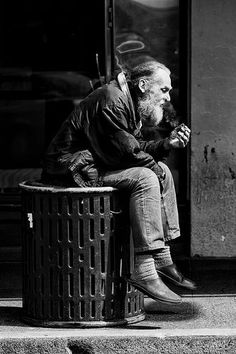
(76, 251)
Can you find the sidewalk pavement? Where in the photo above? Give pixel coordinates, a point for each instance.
(201, 324)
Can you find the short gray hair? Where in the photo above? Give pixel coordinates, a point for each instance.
(145, 70)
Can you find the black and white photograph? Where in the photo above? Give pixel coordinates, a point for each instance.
(117, 176)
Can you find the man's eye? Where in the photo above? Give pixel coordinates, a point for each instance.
(164, 90)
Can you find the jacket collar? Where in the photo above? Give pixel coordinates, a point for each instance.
(125, 89)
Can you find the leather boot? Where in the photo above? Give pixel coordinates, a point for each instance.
(155, 289)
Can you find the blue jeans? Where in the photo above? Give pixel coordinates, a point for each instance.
(153, 208)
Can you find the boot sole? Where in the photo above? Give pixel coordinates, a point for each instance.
(144, 291)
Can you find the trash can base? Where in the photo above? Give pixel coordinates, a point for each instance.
(81, 324)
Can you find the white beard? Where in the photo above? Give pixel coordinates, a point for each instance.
(149, 113)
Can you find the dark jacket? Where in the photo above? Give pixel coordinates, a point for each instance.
(101, 134)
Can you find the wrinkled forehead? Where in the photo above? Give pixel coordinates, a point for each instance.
(162, 77)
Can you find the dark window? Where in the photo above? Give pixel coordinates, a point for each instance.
(52, 53)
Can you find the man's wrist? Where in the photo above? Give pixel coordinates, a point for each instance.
(166, 144)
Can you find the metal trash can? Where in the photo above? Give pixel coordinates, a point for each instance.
(76, 250)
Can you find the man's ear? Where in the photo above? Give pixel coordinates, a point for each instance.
(142, 84)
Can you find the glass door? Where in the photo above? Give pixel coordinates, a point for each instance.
(147, 29)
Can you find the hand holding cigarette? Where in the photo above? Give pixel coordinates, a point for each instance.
(180, 136)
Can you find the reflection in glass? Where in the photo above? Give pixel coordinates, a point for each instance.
(146, 29)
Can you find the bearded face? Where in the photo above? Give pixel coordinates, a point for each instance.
(150, 109)
(153, 94)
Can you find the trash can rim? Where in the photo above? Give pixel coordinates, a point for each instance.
(57, 189)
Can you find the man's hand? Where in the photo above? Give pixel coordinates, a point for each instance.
(179, 137)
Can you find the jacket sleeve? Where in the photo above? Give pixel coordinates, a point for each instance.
(114, 146)
(156, 148)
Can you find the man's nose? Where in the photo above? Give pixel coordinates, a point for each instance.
(167, 96)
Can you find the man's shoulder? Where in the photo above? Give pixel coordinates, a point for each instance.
(112, 89)
(114, 95)
(108, 95)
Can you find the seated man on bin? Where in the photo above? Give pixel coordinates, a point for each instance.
(100, 144)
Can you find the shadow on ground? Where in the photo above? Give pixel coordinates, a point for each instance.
(182, 312)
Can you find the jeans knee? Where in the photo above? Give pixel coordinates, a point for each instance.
(146, 178)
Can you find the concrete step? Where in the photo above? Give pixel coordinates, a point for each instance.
(201, 324)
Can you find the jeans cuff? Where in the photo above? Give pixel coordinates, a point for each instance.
(172, 235)
(155, 246)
